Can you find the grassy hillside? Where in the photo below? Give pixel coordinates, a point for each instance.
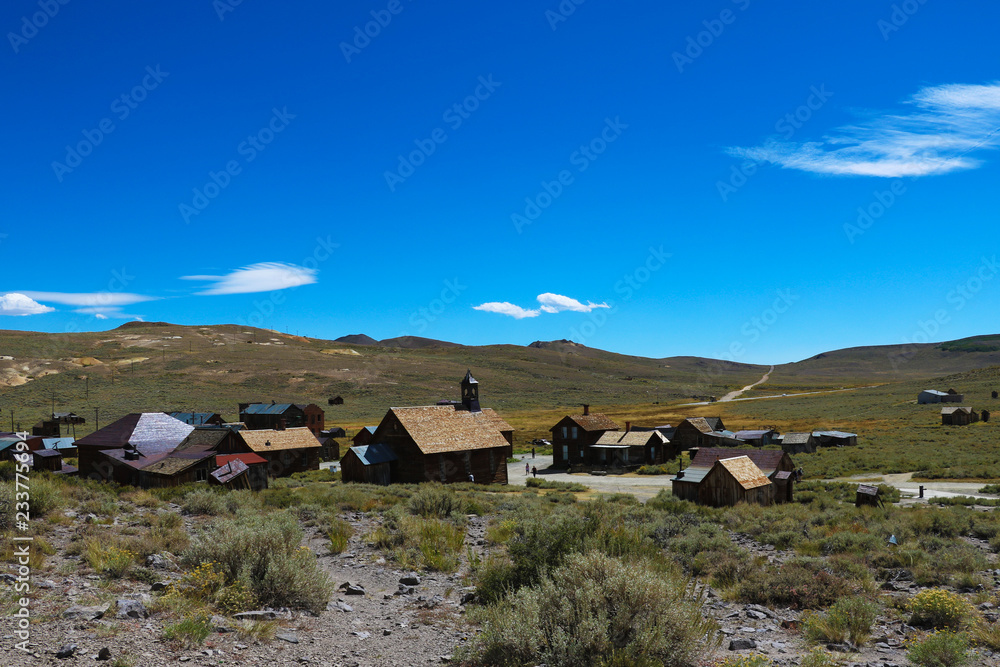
(157, 366)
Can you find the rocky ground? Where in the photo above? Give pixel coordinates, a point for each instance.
(382, 616)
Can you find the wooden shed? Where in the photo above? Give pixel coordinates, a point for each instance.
(868, 495)
(370, 464)
(798, 443)
(776, 465)
(692, 431)
(835, 438)
(336, 400)
(735, 480)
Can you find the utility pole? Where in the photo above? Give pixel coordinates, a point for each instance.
(97, 419)
(53, 403)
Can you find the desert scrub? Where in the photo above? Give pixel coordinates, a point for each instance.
(940, 649)
(262, 551)
(536, 483)
(434, 500)
(108, 559)
(984, 633)
(800, 584)
(936, 608)
(743, 661)
(849, 619)
(819, 658)
(662, 469)
(593, 610)
(204, 501)
(338, 532)
(190, 631)
(416, 542)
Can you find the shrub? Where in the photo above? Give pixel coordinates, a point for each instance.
(536, 483)
(108, 559)
(435, 500)
(190, 631)
(818, 658)
(984, 633)
(941, 649)
(661, 469)
(936, 608)
(799, 584)
(45, 496)
(204, 501)
(849, 619)
(339, 532)
(744, 661)
(262, 552)
(593, 610)
(417, 543)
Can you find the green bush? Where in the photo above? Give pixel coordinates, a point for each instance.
(800, 584)
(593, 610)
(435, 500)
(190, 631)
(262, 551)
(204, 501)
(662, 469)
(941, 649)
(537, 483)
(339, 532)
(849, 619)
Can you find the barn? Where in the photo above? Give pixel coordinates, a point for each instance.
(369, 464)
(631, 449)
(798, 443)
(958, 416)
(757, 437)
(935, 396)
(692, 431)
(287, 451)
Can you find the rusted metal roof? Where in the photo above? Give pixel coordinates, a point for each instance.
(372, 454)
(149, 432)
(868, 490)
(247, 458)
(230, 471)
(441, 428)
(744, 471)
(271, 441)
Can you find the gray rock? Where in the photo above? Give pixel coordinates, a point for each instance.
(761, 610)
(386, 632)
(467, 598)
(410, 580)
(760, 616)
(287, 637)
(91, 613)
(133, 609)
(344, 607)
(259, 615)
(66, 651)
(405, 590)
(220, 624)
(159, 586)
(352, 589)
(361, 634)
(841, 648)
(742, 644)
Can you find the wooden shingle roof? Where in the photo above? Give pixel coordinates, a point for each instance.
(595, 421)
(632, 438)
(271, 441)
(442, 428)
(745, 472)
(764, 459)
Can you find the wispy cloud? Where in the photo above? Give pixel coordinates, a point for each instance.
(90, 299)
(263, 277)
(945, 126)
(15, 303)
(548, 303)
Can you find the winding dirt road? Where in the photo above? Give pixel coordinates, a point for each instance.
(739, 392)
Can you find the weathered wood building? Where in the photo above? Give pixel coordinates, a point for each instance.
(630, 449)
(287, 451)
(369, 464)
(775, 465)
(757, 437)
(364, 436)
(733, 480)
(935, 396)
(798, 443)
(574, 434)
(692, 431)
(868, 495)
(835, 438)
(272, 416)
(958, 416)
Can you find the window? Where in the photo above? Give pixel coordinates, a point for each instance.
(286, 458)
(565, 453)
(201, 475)
(574, 433)
(565, 432)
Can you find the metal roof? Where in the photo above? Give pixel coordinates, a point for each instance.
(752, 434)
(796, 438)
(149, 432)
(834, 434)
(373, 454)
(59, 443)
(230, 471)
(693, 475)
(935, 392)
(266, 408)
(599, 446)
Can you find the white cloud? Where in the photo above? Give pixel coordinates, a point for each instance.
(263, 277)
(506, 308)
(550, 303)
(91, 299)
(15, 303)
(950, 122)
(100, 316)
(554, 303)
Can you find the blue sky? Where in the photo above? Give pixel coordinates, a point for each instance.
(737, 179)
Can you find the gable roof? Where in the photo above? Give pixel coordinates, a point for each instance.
(203, 439)
(595, 421)
(373, 454)
(149, 432)
(766, 460)
(442, 428)
(797, 438)
(700, 423)
(169, 465)
(631, 439)
(267, 408)
(753, 434)
(837, 434)
(714, 422)
(744, 472)
(954, 409)
(271, 441)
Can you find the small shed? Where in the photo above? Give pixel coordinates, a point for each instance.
(868, 495)
(369, 464)
(958, 416)
(336, 400)
(835, 438)
(735, 480)
(757, 437)
(798, 443)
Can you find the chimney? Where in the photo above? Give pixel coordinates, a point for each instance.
(628, 426)
(586, 409)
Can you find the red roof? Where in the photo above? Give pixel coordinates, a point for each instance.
(249, 458)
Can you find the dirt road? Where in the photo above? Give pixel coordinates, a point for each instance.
(739, 392)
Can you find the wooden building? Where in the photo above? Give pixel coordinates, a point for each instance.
(692, 431)
(733, 480)
(835, 438)
(149, 436)
(336, 400)
(47, 428)
(10, 445)
(868, 495)
(287, 451)
(240, 471)
(798, 443)
(272, 416)
(68, 418)
(958, 416)
(630, 449)
(364, 436)
(369, 464)
(935, 396)
(574, 434)
(776, 465)
(757, 437)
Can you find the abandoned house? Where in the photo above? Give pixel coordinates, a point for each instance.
(776, 465)
(271, 416)
(287, 450)
(630, 449)
(728, 481)
(692, 431)
(935, 396)
(958, 416)
(758, 437)
(573, 434)
(369, 464)
(798, 443)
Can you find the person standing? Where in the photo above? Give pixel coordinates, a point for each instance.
(525, 467)
(534, 471)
